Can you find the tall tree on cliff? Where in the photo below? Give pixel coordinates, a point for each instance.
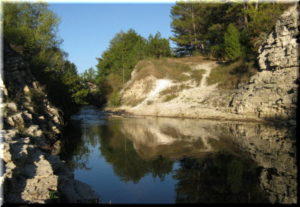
(200, 27)
(186, 26)
(124, 51)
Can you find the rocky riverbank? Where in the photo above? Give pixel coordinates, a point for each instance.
(269, 95)
(31, 132)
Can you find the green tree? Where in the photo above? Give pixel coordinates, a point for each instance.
(232, 46)
(32, 27)
(186, 25)
(31, 30)
(89, 75)
(118, 61)
(157, 46)
(200, 27)
(125, 50)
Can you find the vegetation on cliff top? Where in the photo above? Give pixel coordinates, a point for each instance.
(117, 62)
(201, 27)
(230, 32)
(31, 30)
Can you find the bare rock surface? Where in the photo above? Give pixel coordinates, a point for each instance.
(32, 171)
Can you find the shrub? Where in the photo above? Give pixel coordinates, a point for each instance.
(228, 76)
(114, 99)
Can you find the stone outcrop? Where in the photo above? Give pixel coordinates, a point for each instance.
(280, 49)
(33, 172)
(272, 93)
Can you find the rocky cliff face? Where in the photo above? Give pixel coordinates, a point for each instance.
(272, 93)
(33, 173)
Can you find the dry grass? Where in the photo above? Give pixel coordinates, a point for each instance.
(169, 93)
(170, 97)
(197, 75)
(172, 92)
(169, 68)
(230, 75)
(133, 101)
(193, 60)
(173, 89)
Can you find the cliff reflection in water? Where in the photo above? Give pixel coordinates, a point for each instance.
(207, 161)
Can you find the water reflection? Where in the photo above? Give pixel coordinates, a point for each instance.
(194, 161)
(218, 179)
(120, 152)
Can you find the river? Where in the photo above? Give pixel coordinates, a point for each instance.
(172, 160)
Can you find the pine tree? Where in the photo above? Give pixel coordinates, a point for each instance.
(158, 46)
(232, 46)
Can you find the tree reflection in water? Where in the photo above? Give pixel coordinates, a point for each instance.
(219, 178)
(127, 164)
(215, 162)
(75, 150)
(115, 148)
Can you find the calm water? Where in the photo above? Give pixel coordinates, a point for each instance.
(168, 160)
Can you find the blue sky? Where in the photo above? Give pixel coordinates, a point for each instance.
(87, 28)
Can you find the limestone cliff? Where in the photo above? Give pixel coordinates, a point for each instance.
(270, 94)
(32, 170)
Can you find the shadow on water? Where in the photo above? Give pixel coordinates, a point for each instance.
(194, 161)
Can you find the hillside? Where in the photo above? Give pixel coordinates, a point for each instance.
(195, 87)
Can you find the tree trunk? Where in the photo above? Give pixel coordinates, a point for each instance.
(194, 26)
(245, 15)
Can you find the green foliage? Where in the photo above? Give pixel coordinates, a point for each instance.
(123, 53)
(232, 46)
(53, 194)
(31, 30)
(80, 96)
(201, 26)
(114, 99)
(186, 24)
(32, 26)
(89, 75)
(158, 47)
